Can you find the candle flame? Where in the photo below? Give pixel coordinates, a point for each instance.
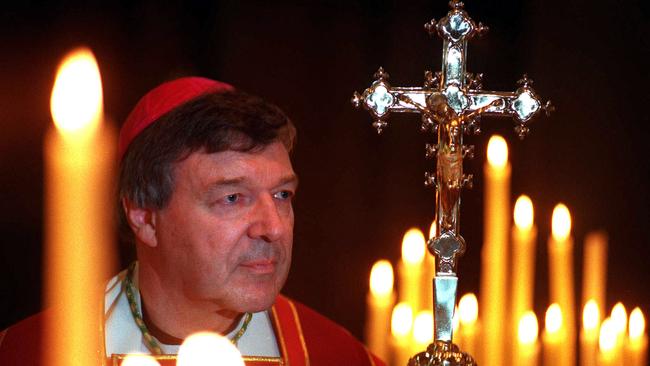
(381, 278)
(208, 348)
(455, 322)
(554, 318)
(607, 339)
(468, 309)
(524, 213)
(528, 329)
(561, 222)
(139, 360)
(497, 151)
(401, 320)
(637, 325)
(619, 318)
(432, 229)
(76, 101)
(423, 327)
(413, 246)
(590, 316)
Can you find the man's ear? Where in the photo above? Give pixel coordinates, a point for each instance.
(142, 221)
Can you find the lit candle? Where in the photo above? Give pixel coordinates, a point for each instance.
(560, 251)
(554, 337)
(594, 272)
(589, 333)
(494, 255)
(400, 327)
(79, 154)
(636, 350)
(527, 350)
(468, 327)
(619, 319)
(380, 302)
(410, 268)
(208, 349)
(428, 274)
(607, 350)
(422, 331)
(524, 235)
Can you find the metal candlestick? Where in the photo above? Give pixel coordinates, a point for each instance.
(450, 103)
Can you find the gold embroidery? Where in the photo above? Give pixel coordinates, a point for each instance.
(278, 329)
(302, 338)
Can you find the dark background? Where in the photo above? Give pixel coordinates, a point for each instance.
(359, 192)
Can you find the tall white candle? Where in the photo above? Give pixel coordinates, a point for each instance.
(410, 268)
(560, 249)
(401, 325)
(594, 268)
(494, 255)
(79, 156)
(636, 350)
(589, 334)
(380, 302)
(554, 338)
(468, 328)
(526, 352)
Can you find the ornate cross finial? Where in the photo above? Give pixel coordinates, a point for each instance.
(450, 104)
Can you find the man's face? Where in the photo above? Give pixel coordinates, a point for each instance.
(226, 234)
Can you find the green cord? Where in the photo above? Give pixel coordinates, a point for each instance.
(151, 342)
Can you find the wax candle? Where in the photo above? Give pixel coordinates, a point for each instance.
(554, 337)
(524, 235)
(594, 272)
(428, 274)
(607, 350)
(410, 268)
(400, 328)
(422, 331)
(619, 320)
(79, 153)
(560, 249)
(494, 255)
(526, 352)
(589, 334)
(636, 349)
(380, 301)
(467, 335)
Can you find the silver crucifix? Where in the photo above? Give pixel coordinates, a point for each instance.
(450, 104)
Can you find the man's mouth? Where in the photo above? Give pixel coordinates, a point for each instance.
(260, 266)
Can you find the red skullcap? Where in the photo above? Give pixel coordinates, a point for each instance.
(161, 100)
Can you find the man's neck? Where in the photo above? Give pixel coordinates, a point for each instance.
(170, 316)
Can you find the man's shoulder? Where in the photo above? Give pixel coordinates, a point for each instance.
(21, 343)
(327, 342)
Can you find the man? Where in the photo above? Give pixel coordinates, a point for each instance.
(206, 186)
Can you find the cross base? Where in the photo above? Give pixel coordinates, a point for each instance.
(441, 353)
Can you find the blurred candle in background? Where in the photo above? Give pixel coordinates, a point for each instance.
(560, 252)
(410, 268)
(619, 320)
(527, 350)
(380, 303)
(208, 349)
(400, 327)
(594, 269)
(607, 349)
(468, 324)
(554, 337)
(494, 254)
(524, 235)
(589, 334)
(79, 155)
(428, 273)
(422, 331)
(636, 350)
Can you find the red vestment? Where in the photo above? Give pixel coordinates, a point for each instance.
(305, 338)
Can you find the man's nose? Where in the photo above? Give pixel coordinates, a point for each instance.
(266, 221)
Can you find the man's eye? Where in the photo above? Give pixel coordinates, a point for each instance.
(284, 195)
(232, 198)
